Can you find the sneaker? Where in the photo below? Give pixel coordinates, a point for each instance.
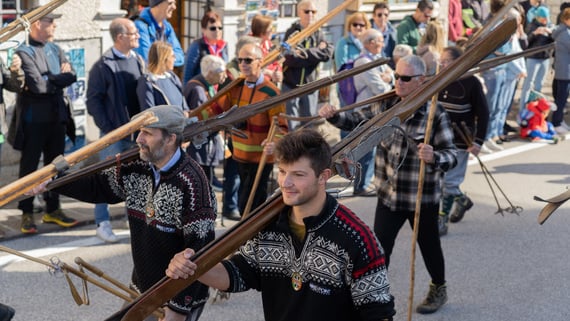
(436, 297)
(563, 124)
(28, 225)
(442, 224)
(370, 190)
(485, 150)
(492, 145)
(561, 130)
(6, 312)
(59, 218)
(462, 205)
(105, 232)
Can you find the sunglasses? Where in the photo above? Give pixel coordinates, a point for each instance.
(358, 25)
(247, 61)
(310, 11)
(382, 14)
(405, 78)
(213, 28)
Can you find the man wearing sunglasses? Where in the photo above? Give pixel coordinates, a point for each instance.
(397, 164)
(409, 29)
(247, 151)
(154, 26)
(301, 66)
(381, 23)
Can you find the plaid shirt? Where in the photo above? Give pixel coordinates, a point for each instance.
(399, 186)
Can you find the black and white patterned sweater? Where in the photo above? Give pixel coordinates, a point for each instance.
(183, 216)
(340, 263)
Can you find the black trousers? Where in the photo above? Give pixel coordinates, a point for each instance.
(41, 138)
(387, 224)
(247, 173)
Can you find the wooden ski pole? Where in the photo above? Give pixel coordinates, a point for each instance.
(24, 184)
(261, 166)
(429, 126)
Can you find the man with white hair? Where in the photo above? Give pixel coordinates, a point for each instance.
(397, 163)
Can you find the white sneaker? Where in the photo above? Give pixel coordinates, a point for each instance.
(485, 150)
(105, 232)
(563, 124)
(492, 145)
(561, 130)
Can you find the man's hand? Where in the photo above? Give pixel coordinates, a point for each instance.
(474, 149)
(16, 63)
(65, 67)
(170, 315)
(38, 189)
(268, 147)
(180, 266)
(425, 153)
(327, 111)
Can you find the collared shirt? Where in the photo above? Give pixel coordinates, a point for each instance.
(156, 171)
(121, 55)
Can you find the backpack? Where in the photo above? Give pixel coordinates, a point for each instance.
(346, 86)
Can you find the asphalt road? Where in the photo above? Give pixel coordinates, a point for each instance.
(498, 267)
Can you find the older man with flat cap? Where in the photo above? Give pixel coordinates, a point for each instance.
(169, 204)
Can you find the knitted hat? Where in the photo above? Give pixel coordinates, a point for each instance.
(154, 3)
(169, 117)
(542, 12)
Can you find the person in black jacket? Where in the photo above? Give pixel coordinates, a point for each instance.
(112, 99)
(300, 67)
(42, 118)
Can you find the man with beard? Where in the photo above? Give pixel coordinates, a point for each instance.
(317, 260)
(169, 204)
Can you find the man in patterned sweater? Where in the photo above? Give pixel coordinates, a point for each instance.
(318, 260)
(247, 151)
(397, 167)
(169, 204)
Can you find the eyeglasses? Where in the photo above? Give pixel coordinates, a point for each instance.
(379, 15)
(213, 28)
(358, 25)
(131, 33)
(247, 61)
(405, 78)
(310, 11)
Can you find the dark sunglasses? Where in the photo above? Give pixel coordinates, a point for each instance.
(356, 25)
(405, 78)
(381, 14)
(311, 11)
(247, 61)
(213, 28)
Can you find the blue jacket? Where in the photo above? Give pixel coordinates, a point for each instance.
(154, 91)
(106, 97)
(346, 49)
(150, 32)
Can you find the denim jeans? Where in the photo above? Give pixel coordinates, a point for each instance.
(301, 106)
(536, 70)
(453, 178)
(102, 209)
(495, 80)
(231, 183)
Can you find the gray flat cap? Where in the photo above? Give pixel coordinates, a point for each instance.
(170, 117)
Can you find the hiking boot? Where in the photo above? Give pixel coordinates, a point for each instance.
(442, 224)
(6, 312)
(462, 205)
(28, 225)
(105, 232)
(59, 218)
(436, 297)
